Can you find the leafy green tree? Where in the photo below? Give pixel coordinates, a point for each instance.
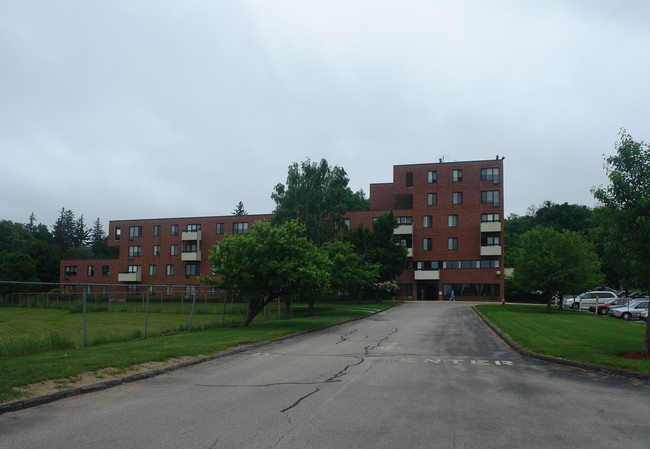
(34, 241)
(380, 246)
(17, 266)
(349, 272)
(627, 200)
(556, 263)
(268, 262)
(314, 195)
(574, 217)
(81, 233)
(355, 200)
(239, 210)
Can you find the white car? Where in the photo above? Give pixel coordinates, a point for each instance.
(593, 299)
(628, 312)
(644, 315)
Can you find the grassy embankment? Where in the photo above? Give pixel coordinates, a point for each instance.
(71, 363)
(570, 335)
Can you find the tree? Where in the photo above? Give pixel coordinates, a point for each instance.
(380, 246)
(267, 262)
(81, 233)
(17, 266)
(98, 240)
(349, 272)
(239, 210)
(313, 194)
(627, 200)
(556, 263)
(355, 200)
(65, 230)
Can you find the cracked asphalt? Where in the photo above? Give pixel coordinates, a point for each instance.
(421, 375)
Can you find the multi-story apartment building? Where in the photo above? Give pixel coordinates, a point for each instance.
(450, 218)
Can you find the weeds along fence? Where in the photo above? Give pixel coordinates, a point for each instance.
(38, 317)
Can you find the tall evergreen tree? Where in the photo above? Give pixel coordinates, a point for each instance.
(65, 230)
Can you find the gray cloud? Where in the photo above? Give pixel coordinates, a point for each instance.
(122, 109)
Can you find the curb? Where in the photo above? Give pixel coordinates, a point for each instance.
(550, 359)
(45, 399)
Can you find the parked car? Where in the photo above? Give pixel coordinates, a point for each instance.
(568, 300)
(603, 309)
(630, 311)
(595, 298)
(644, 315)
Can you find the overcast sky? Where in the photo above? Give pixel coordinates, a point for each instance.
(149, 109)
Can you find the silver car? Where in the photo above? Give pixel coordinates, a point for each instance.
(633, 311)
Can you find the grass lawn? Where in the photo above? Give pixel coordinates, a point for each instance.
(70, 363)
(571, 335)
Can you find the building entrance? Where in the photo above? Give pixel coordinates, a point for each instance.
(427, 291)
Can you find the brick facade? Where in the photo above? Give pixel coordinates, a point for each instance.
(452, 246)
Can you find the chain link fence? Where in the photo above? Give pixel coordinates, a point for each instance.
(37, 317)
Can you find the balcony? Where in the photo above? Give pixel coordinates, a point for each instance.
(404, 230)
(427, 275)
(129, 277)
(191, 256)
(491, 226)
(191, 235)
(494, 250)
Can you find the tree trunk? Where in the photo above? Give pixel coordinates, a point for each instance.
(311, 306)
(549, 298)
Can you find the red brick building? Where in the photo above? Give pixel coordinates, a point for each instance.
(450, 217)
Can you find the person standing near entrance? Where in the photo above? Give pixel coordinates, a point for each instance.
(452, 297)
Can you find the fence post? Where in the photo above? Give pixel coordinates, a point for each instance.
(279, 316)
(83, 296)
(192, 312)
(146, 316)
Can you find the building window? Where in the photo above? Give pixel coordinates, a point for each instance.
(173, 250)
(152, 289)
(346, 222)
(490, 218)
(457, 198)
(156, 230)
(404, 221)
(432, 176)
(174, 230)
(491, 241)
(490, 174)
(152, 270)
(135, 251)
(134, 268)
(118, 233)
(427, 221)
(406, 242)
(91, 270)
(219, 228)
(156, 250)
(471, 289)
(239, 228)
(427, 244)
(192, 269)
(135, 231)
(105, 269)
(193, 227)
(432, 199)
(169, 290)
(409, 179)
(452, 243)
(452, 221)
(457, 176)
(490, 197)
(170, 269)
